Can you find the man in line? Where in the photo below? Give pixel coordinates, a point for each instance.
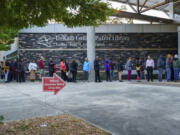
(149, 68)
(112, 67)
(160, 66)
(176, 65)
(51, 67)
(96, 69)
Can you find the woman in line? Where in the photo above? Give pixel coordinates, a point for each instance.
(63, 69)
(138, 68)
(32, 69)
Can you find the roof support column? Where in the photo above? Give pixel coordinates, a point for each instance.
(91, 51)
(179, 42)
(171, 10)
(138, 10)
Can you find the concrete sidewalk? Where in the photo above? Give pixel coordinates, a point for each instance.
(121, 108)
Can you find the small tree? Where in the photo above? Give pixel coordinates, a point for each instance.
(18, 14)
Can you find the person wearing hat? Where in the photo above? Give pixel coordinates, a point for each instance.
(176, 65)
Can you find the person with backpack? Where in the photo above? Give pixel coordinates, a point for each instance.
(120, 70)
(160, 66)
(128, 67)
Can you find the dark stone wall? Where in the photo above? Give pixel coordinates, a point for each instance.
(108, 45)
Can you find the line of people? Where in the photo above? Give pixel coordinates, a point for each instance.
(15, 70)
(12, 70)
(171, 66)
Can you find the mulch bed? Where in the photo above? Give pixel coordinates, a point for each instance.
(52, 125)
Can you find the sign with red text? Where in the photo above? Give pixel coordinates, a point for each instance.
(53, 84)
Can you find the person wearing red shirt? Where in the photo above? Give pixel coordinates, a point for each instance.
(63, 69)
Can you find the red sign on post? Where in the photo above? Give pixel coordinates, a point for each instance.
(53, 84)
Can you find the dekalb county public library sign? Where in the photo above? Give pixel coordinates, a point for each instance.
(70, 40)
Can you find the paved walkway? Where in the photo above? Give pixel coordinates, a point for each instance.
(122, 108)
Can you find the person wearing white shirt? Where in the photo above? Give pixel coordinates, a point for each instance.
(32, 69)
(149, 68)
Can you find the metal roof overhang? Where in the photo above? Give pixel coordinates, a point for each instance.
(141, 6)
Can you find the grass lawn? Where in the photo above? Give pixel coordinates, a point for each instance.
(52, 125)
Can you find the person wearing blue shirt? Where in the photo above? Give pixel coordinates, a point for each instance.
(160, 66)
(86, 69)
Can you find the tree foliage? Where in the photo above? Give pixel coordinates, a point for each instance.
(18, 14)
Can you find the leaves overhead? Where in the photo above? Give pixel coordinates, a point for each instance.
(18, 14)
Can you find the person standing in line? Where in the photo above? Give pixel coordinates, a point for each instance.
(96, 69)
(32, 69)
(172, 68)
(19, 71)
(142, 71)
(51, 67)
(160, 66)
(176, 65)
(149, 68)
(6, 70)
(63, 69)
(129, 67)
(67, 70)
(120, 70)
(54, 68)
(107, 69)
(86, 69)
(14, 69)
(138, 68)
(112, 67)
(41, 67)
(2, 70)
(73, 69)
(23, 76)
(168, 67)
(10, 75)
